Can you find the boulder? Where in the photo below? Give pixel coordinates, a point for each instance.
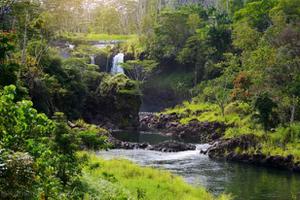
(194, 131)
(167, 146)
(226, 149)
(172, 146)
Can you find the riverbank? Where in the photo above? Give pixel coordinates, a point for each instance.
(130, 181)
(234, 136)
(243, 181)
(250, 149)
(193, 131)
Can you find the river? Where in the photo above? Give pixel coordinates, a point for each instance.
(244, 182)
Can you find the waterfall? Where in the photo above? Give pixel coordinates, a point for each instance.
(70, 46)
(92, 57)
(117, 68)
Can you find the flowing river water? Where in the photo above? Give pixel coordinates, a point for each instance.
(244, 182)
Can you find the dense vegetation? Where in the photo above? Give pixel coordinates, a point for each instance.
(235, 61)
(245, 63)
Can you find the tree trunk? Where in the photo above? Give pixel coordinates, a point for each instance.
(293, 110)
(222, 109)
(23, 59)
(196, 75)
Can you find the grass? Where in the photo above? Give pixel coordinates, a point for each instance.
(206, 112)
(93, 37)
(97, 37)
(126, 180)
(289, 149)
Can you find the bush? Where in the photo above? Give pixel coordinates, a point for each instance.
(91, 136)
(240, 108)
(17, 175)
(47, 166)
(93, 139)
(289, 134)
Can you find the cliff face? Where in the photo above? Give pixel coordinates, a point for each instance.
(115, 103)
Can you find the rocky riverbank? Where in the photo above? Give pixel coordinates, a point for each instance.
(167, 146)
(245, 148)
(237, 149)
(194, 131)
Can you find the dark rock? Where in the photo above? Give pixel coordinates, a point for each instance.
(203, 151)
(172, 146)
(297, 167)
(115, 101)
(168, 146)
(218, 149)
(194, 131)
(225, 149)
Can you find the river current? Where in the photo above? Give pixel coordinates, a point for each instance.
(244, 182)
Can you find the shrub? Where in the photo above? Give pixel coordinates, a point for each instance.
(284, 135)
(93, 139)
(17, 175)
(91, 136)
(240, 108)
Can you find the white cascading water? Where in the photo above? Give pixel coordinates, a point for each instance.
(71, 46)
(117, 68)
(92, 59)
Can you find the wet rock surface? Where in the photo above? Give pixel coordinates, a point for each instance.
(172, 146)
(167, 146)
(194, 131)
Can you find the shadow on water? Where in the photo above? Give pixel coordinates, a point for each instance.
(140, 137)
(244, 182)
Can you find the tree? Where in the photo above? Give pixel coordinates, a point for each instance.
(256, 14)
(222, 95)
(46, 160)
(107, 20)
(265, 105)
(8, 67)
(140, 70)
(242, 85)
(196, 52)
(166, 44)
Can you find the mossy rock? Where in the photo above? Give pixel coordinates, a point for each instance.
(116, 100)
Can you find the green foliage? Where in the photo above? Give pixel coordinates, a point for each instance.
(241, 108)
(139, 70)
(117, 98)
(256, 13)
(8, 67)
(119, 83)
(289, 134)
(265, 107)
(18, 121)
(166, 44)
(232, 54)
(91, 136)
(48, 145)
(17, 177)
(245, 37)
